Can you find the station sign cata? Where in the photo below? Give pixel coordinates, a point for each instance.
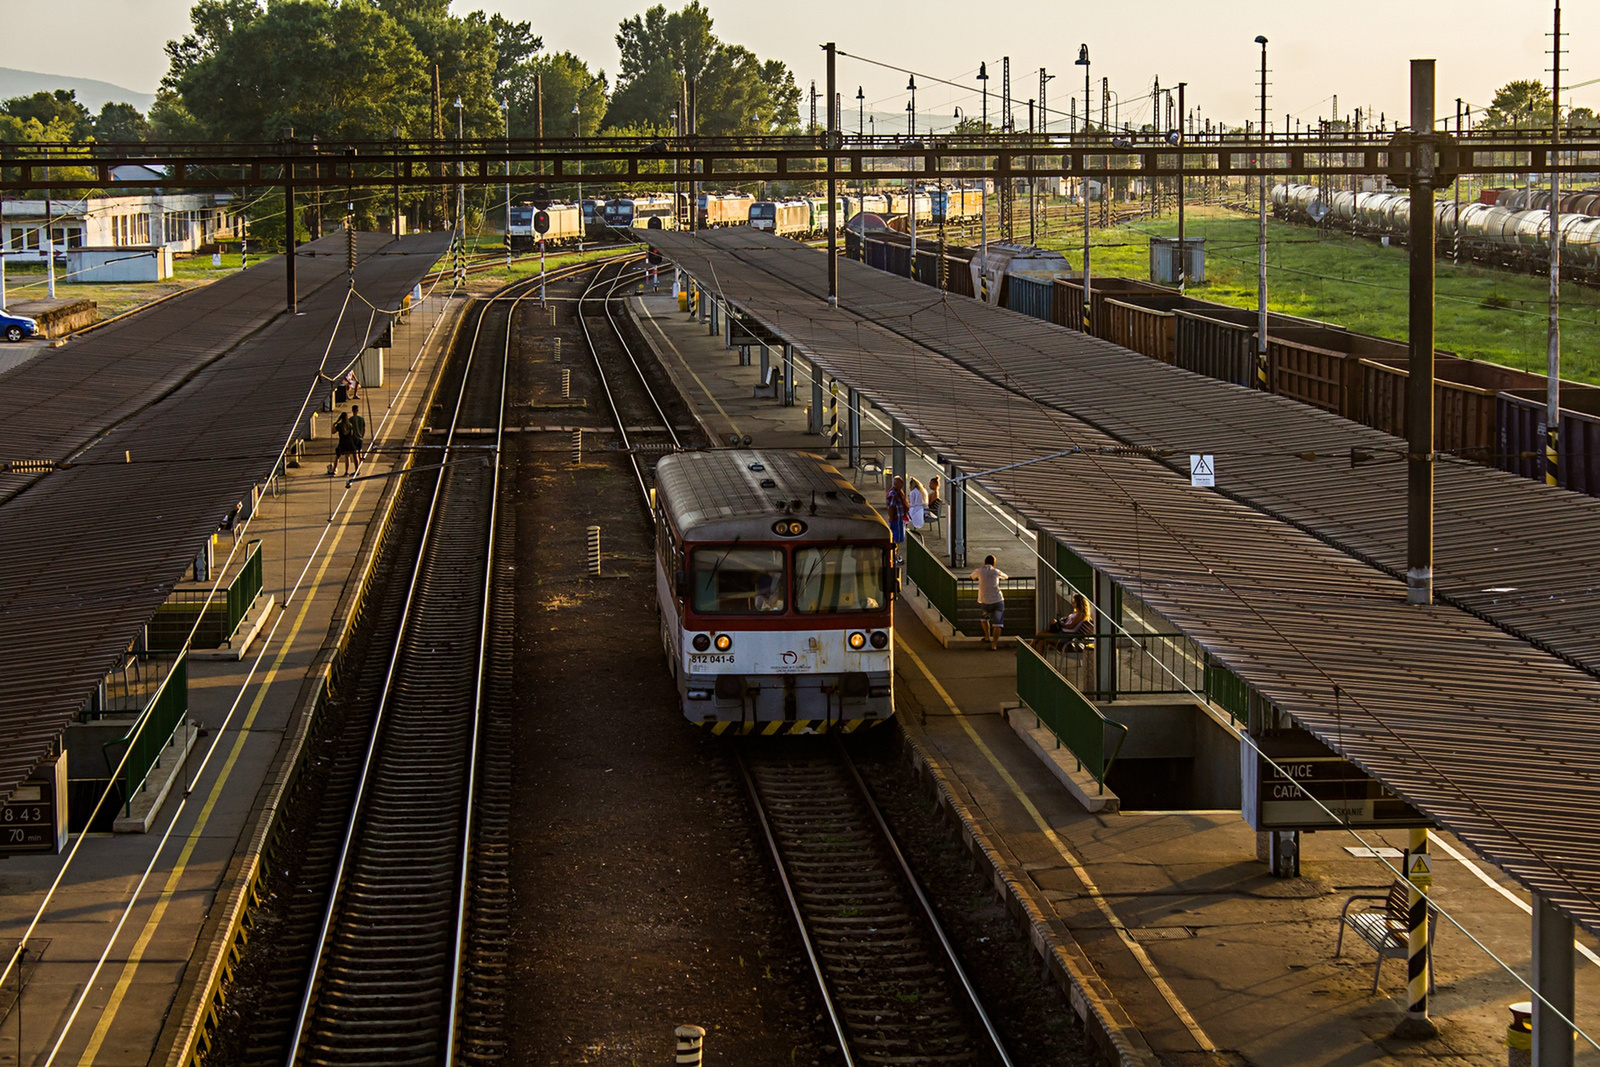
(34, 817)
(1294, 781)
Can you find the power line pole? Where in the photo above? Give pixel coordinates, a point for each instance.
(1183, 249)
(1006, 126)
(1419, 397)
(1552, 433)
(833, 181)
(1261, 233)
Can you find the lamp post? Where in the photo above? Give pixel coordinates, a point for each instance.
(911, 183)
(1088, 101)
(577, 127)
(678, 132)
(1261, 235)
(461, 169)
(861, 187)
(983, 195)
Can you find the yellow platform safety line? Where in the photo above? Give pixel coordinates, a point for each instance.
(125, 980)
(681, 359)
(1137, 950)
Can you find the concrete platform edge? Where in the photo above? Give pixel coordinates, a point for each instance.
(1042, 743)
(1106, 1022)
(202, 988)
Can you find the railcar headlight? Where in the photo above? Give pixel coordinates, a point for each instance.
(724, 642)
(857, 640)
(701, 642)
(880, 639)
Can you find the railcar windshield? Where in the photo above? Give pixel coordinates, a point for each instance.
(843, 578)
(738, 581)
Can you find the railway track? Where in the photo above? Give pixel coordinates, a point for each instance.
(645, 426)
(385, 967)
(894, 990)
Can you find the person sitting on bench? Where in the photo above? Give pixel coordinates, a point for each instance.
(1069, 631)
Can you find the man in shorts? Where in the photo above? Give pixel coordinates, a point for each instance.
(991, 601)
(895, 505)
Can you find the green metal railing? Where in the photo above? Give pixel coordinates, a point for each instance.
(1074, 720)
(221, 617)
(152, 731)
(931, 577)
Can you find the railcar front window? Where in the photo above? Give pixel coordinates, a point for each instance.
(841, 579)
(738, 581)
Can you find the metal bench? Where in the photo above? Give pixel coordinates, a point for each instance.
(1385, 928)
(871, 466)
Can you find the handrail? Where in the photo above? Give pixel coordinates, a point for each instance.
(138, 732)
(1074, 720)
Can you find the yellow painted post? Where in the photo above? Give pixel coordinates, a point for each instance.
(1419, 877)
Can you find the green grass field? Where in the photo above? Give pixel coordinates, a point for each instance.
(1354, 282)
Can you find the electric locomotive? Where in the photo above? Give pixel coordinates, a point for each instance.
(565, 226)
(775, 582)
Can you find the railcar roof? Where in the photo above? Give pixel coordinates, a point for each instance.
(710, 493)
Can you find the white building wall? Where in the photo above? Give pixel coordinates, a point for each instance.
(177, 222)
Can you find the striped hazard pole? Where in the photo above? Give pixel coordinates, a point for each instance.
(832, 419)
(1419, 876)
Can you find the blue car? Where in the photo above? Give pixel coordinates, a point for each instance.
(16, 327)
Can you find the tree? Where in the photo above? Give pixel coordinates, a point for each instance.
(567, 81)
(515, 46)
(463, 49)
(1519, 105)
(120, 122)
(60, 107)
(341, 72)
(735, 91)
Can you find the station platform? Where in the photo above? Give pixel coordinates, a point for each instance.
(1172, 939)
(201, 854)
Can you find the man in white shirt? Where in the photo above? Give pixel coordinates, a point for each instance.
(990, 600)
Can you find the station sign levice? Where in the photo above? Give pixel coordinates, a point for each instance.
(1295, 782)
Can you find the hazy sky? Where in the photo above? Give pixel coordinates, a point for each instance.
(1358, 49)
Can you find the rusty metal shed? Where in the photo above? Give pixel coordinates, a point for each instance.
(1496, 739)
(87, 553)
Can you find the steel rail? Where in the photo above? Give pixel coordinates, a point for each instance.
(946, 956)
(794, 909)
(626, 347)
(951, 959)
(361, 794)
(479, 681)
(605, 383)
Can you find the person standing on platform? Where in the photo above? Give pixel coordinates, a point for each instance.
(358, 432)
(991, 601)
(895, 505)
(344, 446)
(916, 504)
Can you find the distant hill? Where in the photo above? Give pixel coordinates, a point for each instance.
(92, 94)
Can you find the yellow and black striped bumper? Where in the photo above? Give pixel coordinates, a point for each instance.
(796, 726)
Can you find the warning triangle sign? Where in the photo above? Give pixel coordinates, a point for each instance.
(1202, 471)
